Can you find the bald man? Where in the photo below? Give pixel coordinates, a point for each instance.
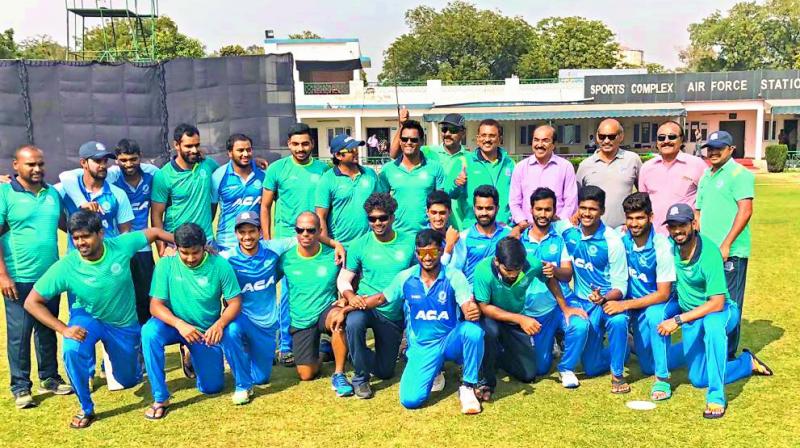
(614, 170)
(30, 210)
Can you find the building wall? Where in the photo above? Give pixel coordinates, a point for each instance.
(714, 118)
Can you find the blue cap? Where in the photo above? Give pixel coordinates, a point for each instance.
(247, 217)
(344, 141)
(94, 150)
(718, 140)
(679, 213)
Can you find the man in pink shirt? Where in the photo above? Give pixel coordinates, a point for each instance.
(672, 176)
(542, 169)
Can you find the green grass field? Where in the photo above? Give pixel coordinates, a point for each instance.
(762, 411)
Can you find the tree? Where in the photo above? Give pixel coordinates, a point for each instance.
(568, 42)
(460, 42)
(306, 34)
(255, 49)
(42, 47)
(749, 37)
(232, 50)
(654, 67)
(169, 42)
(8, 49)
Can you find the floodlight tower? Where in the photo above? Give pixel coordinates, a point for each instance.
(127, 34)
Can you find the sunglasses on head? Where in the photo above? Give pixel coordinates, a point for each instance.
(433, 252)
(302, 230)
(409, 139)
(665, 137)
(603, 137)
(450, 129)
(381, 218)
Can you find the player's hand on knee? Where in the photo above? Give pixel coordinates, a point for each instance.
(75, 332)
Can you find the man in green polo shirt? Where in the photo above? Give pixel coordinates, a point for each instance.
(291, 184)
(182, 189)
(377, 256)
(186, 304)
(342, 191)
(98, 275)
(30, 211)
(489, 164)
(725, 204)
(450, 153)
(410, 178)
(707, 314)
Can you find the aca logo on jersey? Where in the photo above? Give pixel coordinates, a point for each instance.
(138, 206)
(247, 201)
(432, 315)
(637, 275)
(259, 285)
(583, 264)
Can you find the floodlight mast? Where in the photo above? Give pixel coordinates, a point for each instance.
(126, 34)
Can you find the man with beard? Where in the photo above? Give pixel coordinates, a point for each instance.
(707, 313)
(490, 165)
(377, 256)
(236, 187)
(30, 210)
(290, 183)
(601, 275)
(543, 168)
(342, 191)
(651, 273)
(543, 240)
(98, 275)
(480, 239)
(672, 176)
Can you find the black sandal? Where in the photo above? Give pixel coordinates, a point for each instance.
(762, 368)
(619, 386)
(186, 362)
(155, 408)
(707, 413)
(82, 420)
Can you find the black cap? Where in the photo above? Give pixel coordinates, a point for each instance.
(248, 217)
(454, 119)
(679, 213)
(299, 128)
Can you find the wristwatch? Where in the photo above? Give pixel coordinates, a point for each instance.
(678, 320)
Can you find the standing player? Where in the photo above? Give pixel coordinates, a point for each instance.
(236, 187)
(290, 183)
(30, 210)
(342, 191)
(651, 273)
(543, 240)
(98, 275)
(707, 313)
(377, 256)
(601, 275)
(480, 239)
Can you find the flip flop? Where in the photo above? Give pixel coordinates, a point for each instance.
(186, 362)
(762, 367)
(663, 387)
(157, 407)
(714, 406)
(619, 386)
(82, 420)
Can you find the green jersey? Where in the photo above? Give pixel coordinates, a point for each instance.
(448, 161)
(717, 197)
(294, 186)
(30, 246)
(411, 188)
(193, 294)
(483, 172)
(344, 198)
(379, 262)
(489, 287)
(312, 284)
(103, 288)
(701, 277)
(187, 194)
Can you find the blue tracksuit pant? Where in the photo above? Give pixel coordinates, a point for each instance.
(596, 358)
(256, 348)
(575, 335)
(652, 349)
(285, 320)
(381, 361)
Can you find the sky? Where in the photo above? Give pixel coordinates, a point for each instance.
(656, 26)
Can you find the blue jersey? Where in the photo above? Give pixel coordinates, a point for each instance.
(234, 196)
(598, 261)
(552, 249)
(648, 265)
(256, 276)
(473, 246)
(430, 313)
(116, 207)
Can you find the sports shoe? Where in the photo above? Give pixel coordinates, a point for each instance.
(55, 386)
(24, 400)
(340, 384)
(568, 379)
(363, 391)
(469, 402)
(438, 382)
(286, 359)
(242, 396)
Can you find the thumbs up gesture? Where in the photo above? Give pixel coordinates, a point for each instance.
(461, 180)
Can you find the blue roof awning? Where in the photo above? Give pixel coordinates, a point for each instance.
(566, 114)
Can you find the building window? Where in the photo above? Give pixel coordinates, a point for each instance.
(526, 134)
(766, 130)
(569, 134)
(702, 126)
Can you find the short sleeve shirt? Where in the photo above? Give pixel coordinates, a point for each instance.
(489, 287)
(312, 284)
(717, 199)
(701, 277)
(187, 194)
(617, 179)
(411, 188)
(294, 186)
(344, 198)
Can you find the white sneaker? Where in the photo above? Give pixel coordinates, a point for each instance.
(242, 396)
(438, 382)
(469, 402)
(568, 379)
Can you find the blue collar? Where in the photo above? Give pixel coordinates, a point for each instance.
(647, 245)
(17, 187)
(422, 160)
(597, 235)
(338, 172)
(498, 227)
(417, 273)
(178, 167)
(551, 233)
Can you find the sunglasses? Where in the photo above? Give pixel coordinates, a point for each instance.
(450, 129)
(603, 137)
(345, 152)
(409, 139)
(302, 230)
(665, 137)
(381, 218)
(433, 252)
